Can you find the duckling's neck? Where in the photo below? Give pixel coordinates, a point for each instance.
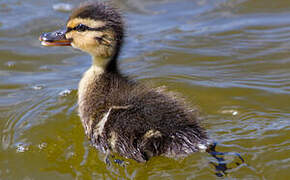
(94, 85)
(90, 77)
(104, 65)
(99, 67)
(99, 64)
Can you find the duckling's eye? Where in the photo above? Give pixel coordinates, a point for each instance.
(81, 28)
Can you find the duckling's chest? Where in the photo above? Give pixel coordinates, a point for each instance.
(87, 94)
(88, 81)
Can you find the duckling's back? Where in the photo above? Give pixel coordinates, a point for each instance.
(122, 116)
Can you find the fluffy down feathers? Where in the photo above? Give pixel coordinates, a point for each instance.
(132, 119)
(144, 122)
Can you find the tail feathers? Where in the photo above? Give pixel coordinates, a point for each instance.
(186, 142)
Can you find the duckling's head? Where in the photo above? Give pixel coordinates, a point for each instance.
(95, 28)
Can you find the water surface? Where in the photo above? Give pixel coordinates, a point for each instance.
(230, 58)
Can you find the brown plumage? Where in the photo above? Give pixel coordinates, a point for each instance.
(173, 126)
(119, 114)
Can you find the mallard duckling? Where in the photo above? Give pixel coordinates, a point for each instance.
(118, 114)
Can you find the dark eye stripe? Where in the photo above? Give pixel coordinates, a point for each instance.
(81, 28)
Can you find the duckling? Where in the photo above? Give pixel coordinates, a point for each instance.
(120, 115)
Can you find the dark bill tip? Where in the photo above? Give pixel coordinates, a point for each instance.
(56, 38)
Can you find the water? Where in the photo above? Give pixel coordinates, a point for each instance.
(228, 57)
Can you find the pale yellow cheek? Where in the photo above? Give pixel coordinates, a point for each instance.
(86, 41)
(68, 35)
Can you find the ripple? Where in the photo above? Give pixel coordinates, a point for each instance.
(20, 148)
(63, 7)
(230, 111)
(231, 58)
(65, 92)
(38, 87)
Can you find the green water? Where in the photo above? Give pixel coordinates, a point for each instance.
(228, 57)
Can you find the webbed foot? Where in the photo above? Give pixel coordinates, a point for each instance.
(111, 158)
(221, 165)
